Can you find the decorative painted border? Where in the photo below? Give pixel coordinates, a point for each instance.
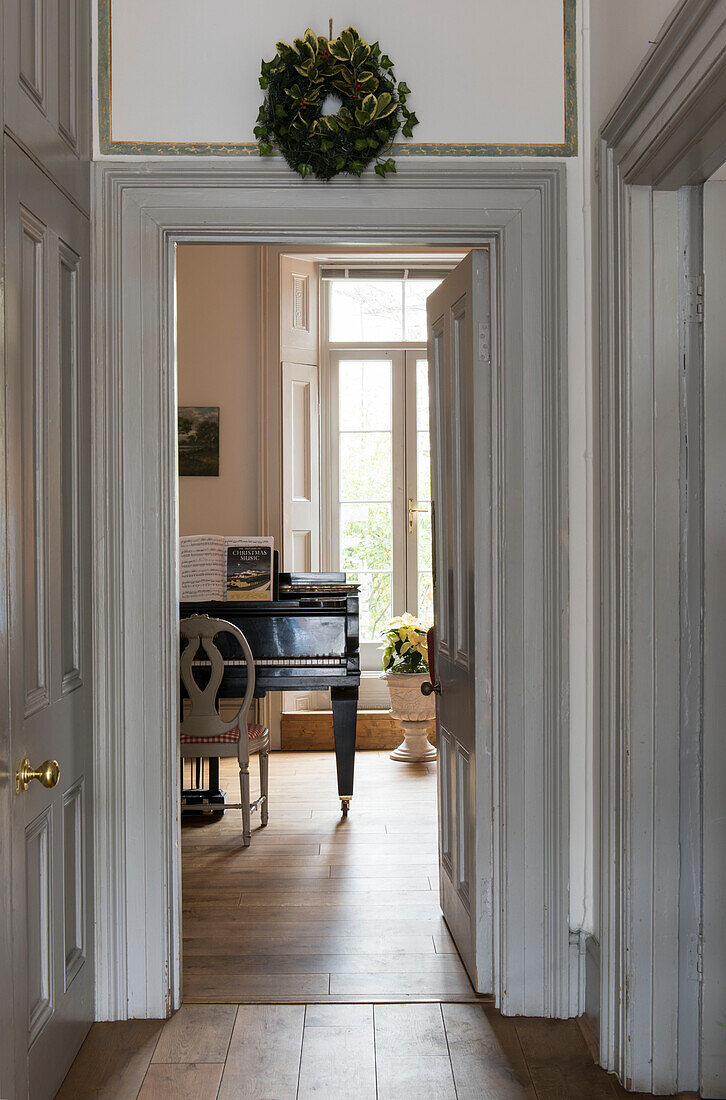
(402, 149)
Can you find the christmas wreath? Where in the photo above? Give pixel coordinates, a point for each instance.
(299, 80)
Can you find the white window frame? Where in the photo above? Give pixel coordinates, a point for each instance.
(403, 356)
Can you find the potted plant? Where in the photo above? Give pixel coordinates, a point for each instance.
(405, 669)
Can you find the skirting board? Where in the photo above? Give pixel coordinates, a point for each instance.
(312, 731)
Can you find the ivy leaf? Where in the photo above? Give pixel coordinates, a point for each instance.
(386, 62)
(339, 164)
(326, 145)
(304, 169)
(265, 149)
(264, 82)
(259, 131)
(356, 167)
(360, 144)
(403, 87)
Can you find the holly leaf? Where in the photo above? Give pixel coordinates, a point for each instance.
(339, 50)
(385, 106)
(350, 39)
(360, 54)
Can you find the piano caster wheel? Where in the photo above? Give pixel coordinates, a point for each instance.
(345, 805)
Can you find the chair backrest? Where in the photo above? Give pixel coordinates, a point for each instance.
(203, 718)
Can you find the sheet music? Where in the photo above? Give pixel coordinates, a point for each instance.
(202, 567)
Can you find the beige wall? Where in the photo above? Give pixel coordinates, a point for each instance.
(217, 356)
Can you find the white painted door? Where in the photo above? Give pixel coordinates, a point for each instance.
(713, 961)
(460, 403)
(48, 485)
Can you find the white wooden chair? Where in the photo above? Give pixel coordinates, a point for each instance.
(202, 732)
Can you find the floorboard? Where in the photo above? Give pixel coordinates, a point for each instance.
(317, 965)
(320, 907)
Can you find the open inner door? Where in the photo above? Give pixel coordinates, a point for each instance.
(460, 402)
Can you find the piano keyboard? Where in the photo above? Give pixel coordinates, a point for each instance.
(283, 662)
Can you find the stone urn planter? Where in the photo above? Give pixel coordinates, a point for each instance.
(414, 712)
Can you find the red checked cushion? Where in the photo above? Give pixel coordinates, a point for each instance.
(230, 737)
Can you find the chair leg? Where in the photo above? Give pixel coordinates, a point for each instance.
(264, 784)
(244, 788)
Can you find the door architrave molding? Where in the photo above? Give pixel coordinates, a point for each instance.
(667, 132)
(141, 213)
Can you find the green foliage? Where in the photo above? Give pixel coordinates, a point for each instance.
(373, 107)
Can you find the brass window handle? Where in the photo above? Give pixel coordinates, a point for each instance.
(48, 774)
(412, 511)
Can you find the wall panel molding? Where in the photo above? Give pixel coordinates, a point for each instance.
(110, 146)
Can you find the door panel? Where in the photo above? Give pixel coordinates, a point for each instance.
(460, 389)
(48, 470)
(46, 56)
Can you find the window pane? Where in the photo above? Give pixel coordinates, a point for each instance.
(375, 604)
(424, 537)
(416, 291)
(425, 598)
(422, 395)
(366, 537)
(364, 395)
(366, 310)
(423, 462)
(365, 466)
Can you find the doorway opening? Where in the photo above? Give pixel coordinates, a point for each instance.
(518, 210)
(318, 907)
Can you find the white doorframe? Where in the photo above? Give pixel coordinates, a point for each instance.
(667, 134)
(141, 211)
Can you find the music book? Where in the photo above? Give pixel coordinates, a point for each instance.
(225, 567)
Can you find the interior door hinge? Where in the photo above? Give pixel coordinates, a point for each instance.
(693, 301)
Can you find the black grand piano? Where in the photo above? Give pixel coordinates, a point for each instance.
(304, 639)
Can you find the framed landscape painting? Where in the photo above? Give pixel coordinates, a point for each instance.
(198, 440)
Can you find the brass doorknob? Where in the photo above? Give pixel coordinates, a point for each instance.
(48, 774)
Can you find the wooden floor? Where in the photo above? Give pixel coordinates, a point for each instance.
(338, 1052)
(343, 916)
(321, 908)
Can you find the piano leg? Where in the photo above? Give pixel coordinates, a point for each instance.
(345, 710)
